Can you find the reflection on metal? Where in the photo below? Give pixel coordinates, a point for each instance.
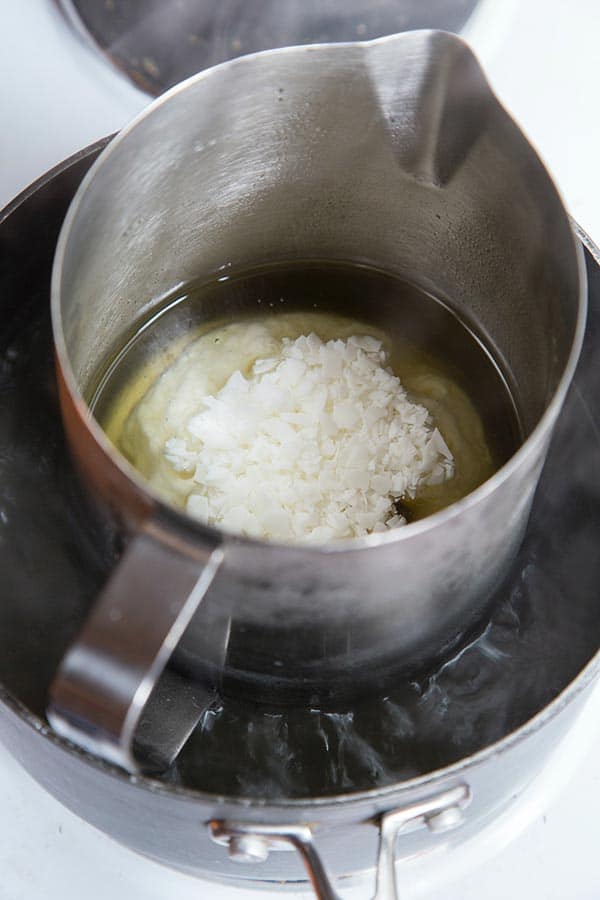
(158, 43)
(252, 843)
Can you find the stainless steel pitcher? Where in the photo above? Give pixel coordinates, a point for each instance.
(395, 153)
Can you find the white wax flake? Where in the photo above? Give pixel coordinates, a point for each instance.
(314, 443)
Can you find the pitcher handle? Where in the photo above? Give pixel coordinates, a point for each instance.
(110, 674)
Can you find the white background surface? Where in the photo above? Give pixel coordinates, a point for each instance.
(543, 60)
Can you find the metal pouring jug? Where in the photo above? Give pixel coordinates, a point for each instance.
(393, 152)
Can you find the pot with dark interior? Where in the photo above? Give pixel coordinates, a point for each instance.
(449, 747)
(489, 719)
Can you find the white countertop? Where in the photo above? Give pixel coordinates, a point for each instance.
(543, 60)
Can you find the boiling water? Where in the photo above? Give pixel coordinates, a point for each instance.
(440, 361)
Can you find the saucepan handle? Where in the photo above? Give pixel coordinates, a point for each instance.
(110, 678)
(252, 843)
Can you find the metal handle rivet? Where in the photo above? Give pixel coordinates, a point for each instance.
(248, 848)
(446, 819)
